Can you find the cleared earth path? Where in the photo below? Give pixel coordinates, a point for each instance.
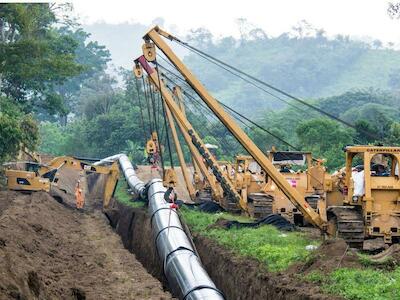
(48, 250)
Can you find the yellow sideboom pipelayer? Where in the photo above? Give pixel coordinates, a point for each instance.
(155, 38)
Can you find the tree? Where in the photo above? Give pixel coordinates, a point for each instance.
(34, 57)
(394, 134)
(324, 138)
(16, 128)
(93, 58)
(363, 126)
(379, 117)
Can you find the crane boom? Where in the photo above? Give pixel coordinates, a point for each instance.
(155, 35)
(189, 185)
(177, 92)
(225, 182)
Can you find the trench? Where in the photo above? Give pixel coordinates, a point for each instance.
(133, 226)
(237, 277)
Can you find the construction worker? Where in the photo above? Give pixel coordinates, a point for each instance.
(79, 197)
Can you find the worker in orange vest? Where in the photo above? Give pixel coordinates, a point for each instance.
(80, 199)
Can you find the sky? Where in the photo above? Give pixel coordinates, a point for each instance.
(357, 18)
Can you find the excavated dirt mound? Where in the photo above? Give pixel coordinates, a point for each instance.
(331, 255)
(51, 251)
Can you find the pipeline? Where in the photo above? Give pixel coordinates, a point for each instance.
(182, 267)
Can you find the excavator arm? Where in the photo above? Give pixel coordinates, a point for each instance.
(155, 37)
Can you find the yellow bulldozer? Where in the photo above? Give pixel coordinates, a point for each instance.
(30, 176)
(370, 185)
(305, 174)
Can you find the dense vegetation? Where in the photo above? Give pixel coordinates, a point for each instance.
(40, 71)
(303, 62)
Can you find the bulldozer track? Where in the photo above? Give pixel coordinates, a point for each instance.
(204, 195)
(349, 224)
(260, 205)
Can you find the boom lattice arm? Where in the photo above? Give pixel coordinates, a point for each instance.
(155, 35)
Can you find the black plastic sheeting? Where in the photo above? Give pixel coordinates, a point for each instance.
(206, 206)
(275, 220)
(211, 207)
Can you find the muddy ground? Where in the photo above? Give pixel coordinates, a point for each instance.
(48, 250)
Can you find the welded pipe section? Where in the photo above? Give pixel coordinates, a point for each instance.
(182, 267)
(136, 185)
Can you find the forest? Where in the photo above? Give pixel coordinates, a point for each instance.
(58, 96)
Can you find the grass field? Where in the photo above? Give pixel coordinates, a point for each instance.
(276, 249)
(360, 284)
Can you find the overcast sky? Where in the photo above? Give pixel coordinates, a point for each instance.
(358, 18)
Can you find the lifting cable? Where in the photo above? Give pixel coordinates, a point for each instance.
(206, 114)
(225, 65)
(141, 111)
(148, 105)
(252, 83)
(156, 125)
(230, 108)
(165, 115)
(240, 115)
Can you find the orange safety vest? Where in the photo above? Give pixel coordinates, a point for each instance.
(80, 199)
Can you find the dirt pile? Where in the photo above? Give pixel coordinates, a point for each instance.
(50, 251)
(332, 254)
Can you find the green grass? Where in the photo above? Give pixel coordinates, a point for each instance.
(360, 284)
(276, 249)
(122, 195)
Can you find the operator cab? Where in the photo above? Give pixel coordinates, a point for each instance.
(29, 166)
(372, 185)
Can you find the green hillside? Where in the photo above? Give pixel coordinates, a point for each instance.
(306, 67)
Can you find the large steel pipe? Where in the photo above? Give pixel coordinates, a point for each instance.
(182, 267)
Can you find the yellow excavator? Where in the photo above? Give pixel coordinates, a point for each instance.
(32, 176)
(364, 214)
